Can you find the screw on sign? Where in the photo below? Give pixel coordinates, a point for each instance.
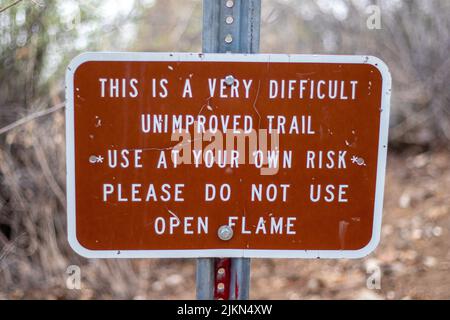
(225, 232)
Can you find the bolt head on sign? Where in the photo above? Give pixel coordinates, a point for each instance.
(170, 154)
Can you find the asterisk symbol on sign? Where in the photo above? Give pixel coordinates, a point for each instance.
(99, 159)
(354, 159)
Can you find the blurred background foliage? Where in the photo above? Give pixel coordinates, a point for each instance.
(39, 37)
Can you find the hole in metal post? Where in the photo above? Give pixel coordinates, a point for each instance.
(229, 38)
(221, 271)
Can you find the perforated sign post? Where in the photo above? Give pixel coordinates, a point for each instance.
(225, 155)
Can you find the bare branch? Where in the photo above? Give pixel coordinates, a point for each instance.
(31, 117)
(10, 5)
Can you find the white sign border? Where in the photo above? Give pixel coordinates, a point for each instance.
(232, 253)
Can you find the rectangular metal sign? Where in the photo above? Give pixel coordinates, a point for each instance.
(225, 155)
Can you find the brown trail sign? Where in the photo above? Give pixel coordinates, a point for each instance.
(230, 155)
